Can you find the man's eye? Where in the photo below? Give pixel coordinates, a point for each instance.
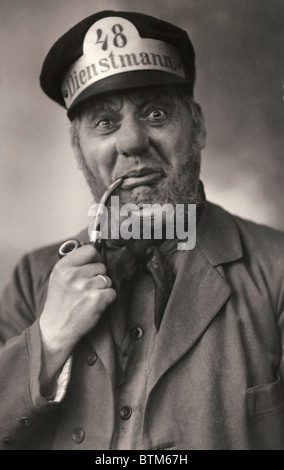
(103, 123)
(156, 115)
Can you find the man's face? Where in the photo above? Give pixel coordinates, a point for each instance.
(146, 136)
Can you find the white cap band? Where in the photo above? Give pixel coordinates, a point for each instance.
(113, 46)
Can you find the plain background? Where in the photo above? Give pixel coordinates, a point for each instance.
(239, 48)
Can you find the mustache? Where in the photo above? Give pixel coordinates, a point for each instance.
(139, 166)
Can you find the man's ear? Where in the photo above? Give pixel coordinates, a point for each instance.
(200, 127)
(201, 136)
(75, 143)
(79, 157)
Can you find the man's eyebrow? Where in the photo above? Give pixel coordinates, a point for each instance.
(103, 105)
(143, 99)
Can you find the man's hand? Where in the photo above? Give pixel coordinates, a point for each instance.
(76, 299)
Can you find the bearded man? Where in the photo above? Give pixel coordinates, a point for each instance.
(141, 345)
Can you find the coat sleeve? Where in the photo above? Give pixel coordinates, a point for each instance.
(22, 408)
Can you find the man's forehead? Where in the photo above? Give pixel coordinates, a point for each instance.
(139, 97)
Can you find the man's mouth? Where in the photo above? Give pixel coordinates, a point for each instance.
(145, 176)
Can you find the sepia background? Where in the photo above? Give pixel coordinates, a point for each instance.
(239, 49)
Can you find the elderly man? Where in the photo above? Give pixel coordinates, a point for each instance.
(139, 344)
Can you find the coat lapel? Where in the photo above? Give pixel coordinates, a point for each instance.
(199, 291)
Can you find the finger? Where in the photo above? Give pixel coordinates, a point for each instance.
(102, 282)
(91, 269)
(83, 255)
(104, 297)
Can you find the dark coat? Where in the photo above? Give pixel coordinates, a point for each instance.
(218, 373)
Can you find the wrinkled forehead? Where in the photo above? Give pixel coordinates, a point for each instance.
(139, 97)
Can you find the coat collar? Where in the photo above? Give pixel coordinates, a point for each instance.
(218, 236)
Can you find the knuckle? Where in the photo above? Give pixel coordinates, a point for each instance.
(79, 285)
(65, 275)
(96, 297)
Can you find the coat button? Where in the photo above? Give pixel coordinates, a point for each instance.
(91, 359)
(78, 435)
(153, 264)
(125, 412)
(136, 332)
(26, 421)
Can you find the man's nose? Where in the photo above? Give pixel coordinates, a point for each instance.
(131, 139)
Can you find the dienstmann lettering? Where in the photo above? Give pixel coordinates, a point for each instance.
(79, 78)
